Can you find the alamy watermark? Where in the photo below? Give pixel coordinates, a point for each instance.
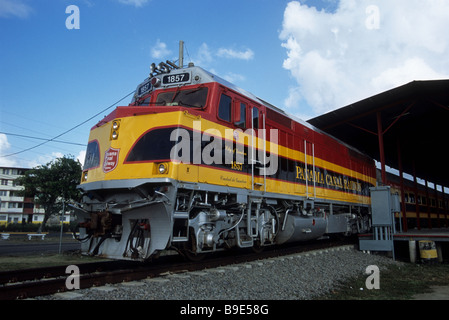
(73, 20)
(234, 152)
(73, 280)
(372, 21)
(373, 280)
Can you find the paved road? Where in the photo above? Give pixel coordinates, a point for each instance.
(35, 247)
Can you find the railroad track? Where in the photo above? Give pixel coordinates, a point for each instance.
(30, 283)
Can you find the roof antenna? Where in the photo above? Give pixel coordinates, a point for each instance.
(181, 53)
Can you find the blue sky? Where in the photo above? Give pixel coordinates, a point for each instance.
(306, 57)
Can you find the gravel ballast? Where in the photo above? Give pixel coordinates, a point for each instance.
(297, 277)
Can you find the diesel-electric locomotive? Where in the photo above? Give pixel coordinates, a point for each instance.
(197, 164)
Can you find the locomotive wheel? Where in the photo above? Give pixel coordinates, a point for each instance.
(192, 256)
(189, 250)
(257, 248)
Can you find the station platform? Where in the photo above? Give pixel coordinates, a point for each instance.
(387, 240)
(435, 234)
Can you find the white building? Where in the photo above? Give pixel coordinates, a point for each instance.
(15, 208)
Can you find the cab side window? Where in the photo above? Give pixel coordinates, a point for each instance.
(255, 114)
(225, 107)
(242, 121)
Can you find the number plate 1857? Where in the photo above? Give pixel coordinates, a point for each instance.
(176, 78)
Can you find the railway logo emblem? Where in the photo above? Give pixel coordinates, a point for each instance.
(110, 159)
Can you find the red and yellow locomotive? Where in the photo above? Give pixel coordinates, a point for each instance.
(198, 164)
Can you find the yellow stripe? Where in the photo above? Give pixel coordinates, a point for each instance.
(189, 173)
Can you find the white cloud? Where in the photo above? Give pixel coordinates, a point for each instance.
(413, 68)
(43, 159)
(248, 54)
(234, 77)
(136, 3)
(160, 50)
(362, 49)
(4, 147)
(4, 144)
(11, 8)
(81, 157)
(204, 55)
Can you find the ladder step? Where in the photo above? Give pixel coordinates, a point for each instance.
(180, 226)
(246, 244)
(181, 215)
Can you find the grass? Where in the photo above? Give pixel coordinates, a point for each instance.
(16, 262)
(397, 282)
(8, 263)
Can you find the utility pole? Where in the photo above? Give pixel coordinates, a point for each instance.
(62, 224)
(181, 53)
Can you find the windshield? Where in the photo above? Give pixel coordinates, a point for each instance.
(92, 159)
(195, 98)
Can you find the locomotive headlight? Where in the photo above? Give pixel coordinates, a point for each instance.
(84, 176)
(162, 168)
(115, 129)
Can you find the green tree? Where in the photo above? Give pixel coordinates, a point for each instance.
(53, 183)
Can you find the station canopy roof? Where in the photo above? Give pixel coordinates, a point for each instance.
(414, 119)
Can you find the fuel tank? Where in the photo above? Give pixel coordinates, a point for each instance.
(301, 228)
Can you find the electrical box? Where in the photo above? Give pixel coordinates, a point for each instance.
(381, 206)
